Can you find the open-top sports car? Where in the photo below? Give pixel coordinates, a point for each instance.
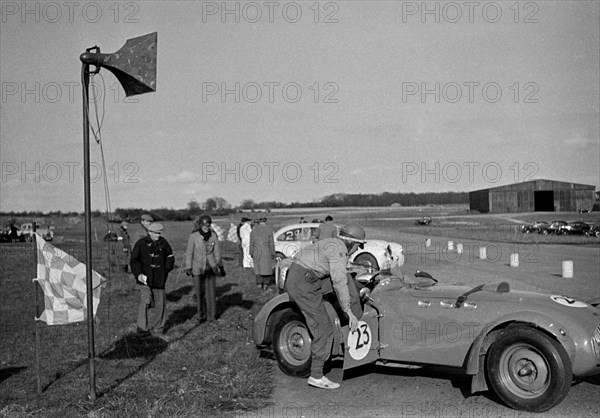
(527, 347)
(380, 254)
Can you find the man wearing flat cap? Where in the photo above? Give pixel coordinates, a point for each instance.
(151, 261)
(145, 222)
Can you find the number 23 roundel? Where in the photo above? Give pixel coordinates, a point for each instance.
(359, 341)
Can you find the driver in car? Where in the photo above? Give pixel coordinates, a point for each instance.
(306, 280)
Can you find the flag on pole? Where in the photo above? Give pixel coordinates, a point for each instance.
(62, 278)
(232, 234)
(219, 231)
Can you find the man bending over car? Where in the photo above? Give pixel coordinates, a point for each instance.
(306, 278)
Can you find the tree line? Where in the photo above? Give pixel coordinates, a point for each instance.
(217, 206)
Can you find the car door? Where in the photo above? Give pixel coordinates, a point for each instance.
(426, 326)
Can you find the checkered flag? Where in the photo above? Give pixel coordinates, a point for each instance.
(62, 278)
(232, 235)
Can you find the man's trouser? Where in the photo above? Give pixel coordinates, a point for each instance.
(205, 286)
(304, 288)
(151, 311)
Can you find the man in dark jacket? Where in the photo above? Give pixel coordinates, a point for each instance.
(262, 250)
(151, 261)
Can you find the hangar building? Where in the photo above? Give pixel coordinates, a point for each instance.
(533, 196)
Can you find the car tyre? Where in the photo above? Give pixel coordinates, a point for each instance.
(365, 258)
(545, 232)
(291, 344)
(528, 369)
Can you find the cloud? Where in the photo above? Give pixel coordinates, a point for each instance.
(185, 176)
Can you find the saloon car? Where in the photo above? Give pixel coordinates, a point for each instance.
(534, 227)
(594, 231)
(526, 347)
(574, 228)
(377, 253)
(26, 231)
(553, 228)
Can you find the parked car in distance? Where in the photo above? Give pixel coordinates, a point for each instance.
(378, 253)
(574, 228)
(594, 231)
(553, 228)
(423, 221)
(27, 231)
(534, 227)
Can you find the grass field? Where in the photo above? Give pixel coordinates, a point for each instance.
(197, 369)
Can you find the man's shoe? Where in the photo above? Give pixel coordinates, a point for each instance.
(322, 383)
(142, 332)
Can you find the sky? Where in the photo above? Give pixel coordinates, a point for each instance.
(293, 101)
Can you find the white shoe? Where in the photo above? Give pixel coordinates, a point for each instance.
(322, 383)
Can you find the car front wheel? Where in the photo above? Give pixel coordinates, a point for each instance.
(291, 344)
(528, 369)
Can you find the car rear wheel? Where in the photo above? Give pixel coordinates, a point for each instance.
(528, 369)
(291, 344)
(365, 258)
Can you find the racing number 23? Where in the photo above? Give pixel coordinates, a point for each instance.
(364, 337)
(359, 341)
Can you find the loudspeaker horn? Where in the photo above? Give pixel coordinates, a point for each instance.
(134, 64)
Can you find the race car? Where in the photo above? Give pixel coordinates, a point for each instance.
(379, 254)
(527, 347)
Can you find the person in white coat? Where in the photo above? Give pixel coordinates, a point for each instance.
(245, 231)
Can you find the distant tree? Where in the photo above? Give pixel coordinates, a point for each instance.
(247, 204)
(194, 208)
(210, 204)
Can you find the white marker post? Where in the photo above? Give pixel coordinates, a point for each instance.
(514, 260)
(567, 269)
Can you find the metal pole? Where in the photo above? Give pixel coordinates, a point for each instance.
(37, 323)
(85, 76)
